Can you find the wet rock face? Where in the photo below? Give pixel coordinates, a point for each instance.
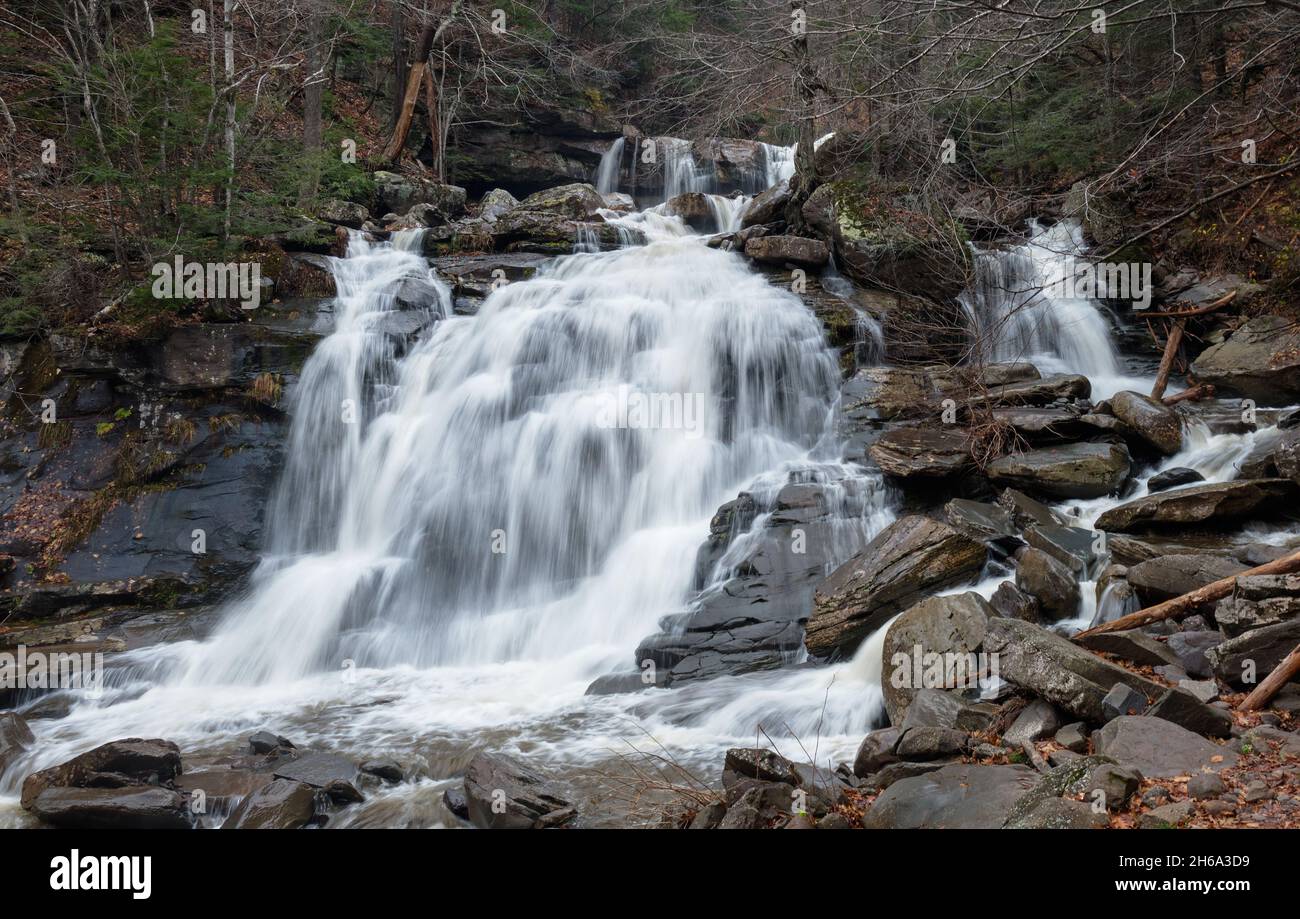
(396, 194)
(1154, 423)
(1159, 748)
(1050, 582)
(910, 558)
(922, 453)
(958, 796)
(281, 804)
(504, 793)
(1261, 361)
(752, 617)
(788, 250)
(1057, 670)
(953, 626)
(1170, 576)
(693, 208)
(1070, 471)
(1201, 504)
(126, 783)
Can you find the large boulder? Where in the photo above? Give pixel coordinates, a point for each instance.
(131, 808)
(888, 394)
(694, 210)
(1169, 576)
(1159, 749)
(495, 203)
(1154, 422)
(15, 738)
(936, 639)
(504, 793)
(281, 804)
(396, 194)
(1212, 503)
(1057, 670)
(910, 558)
(767, 206)
(1049, 581)
(960, 796)
(1261, 361)
(1068, 471)
(922, 453)
(578, 201)
(788, 250)
(1254, 654)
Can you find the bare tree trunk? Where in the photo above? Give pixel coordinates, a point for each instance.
(435, 132)
(7, 145)
(228, 44)
(398, 25)
(313, 92)
(414, 79)
(804, 92)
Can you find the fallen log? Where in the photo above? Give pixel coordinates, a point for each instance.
(1281, 675)
(1167, 359)
(1180, 606)
(1193, 394)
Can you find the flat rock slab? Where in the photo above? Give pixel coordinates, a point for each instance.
(910, 558)
(1057, 670)
(133, 808)
(1159, 749)
(1083, 470)
(1212, 503)
(318, 770)
(960, 796)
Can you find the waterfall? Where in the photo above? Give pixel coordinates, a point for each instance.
(1021, 309)
(779, 164)
(480, 504)
(611, 164)
(681, 174)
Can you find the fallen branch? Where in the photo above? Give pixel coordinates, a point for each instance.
(1167, 359)
(1199, 311)
(1179, 606)
(1280, 676)
(1035, 757)
(1193, 394)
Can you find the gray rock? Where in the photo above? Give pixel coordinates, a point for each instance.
(988, 523)
(578, 201)
(1173, 478)
(282, 804)
(1131, 645)
(1050, 582)
(1260, 650)
(946, 633)
(132, 808)
(15, 738)
(1191, 648)
(876, 751)
(495, 203)
(1205, 785)
(793, 250)
(1121, 700)
(1215, 502)
(343, 213)
(397, 194)
(1202, 690)
(1155, 423)
(1082, 470)
(1037, 721)
(766, 206)
(1186, 710)
(957, 796)
(1113, 785)
(911, 557)
(1160, 749)
(932, 743)
(1166, 816)
(318, 770)
(1074, 737)
(1013, 603)
(1260, 360)
(921, 453)
(1237, 614)
(1169, 576)
(133, 760)
(1060, 814)
(1055, 669)
(523, 796)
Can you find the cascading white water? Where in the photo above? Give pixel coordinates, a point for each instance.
(1021, 310)
(611, 165)
(472, 529)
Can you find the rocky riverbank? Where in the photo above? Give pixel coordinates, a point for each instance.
(982, 511)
